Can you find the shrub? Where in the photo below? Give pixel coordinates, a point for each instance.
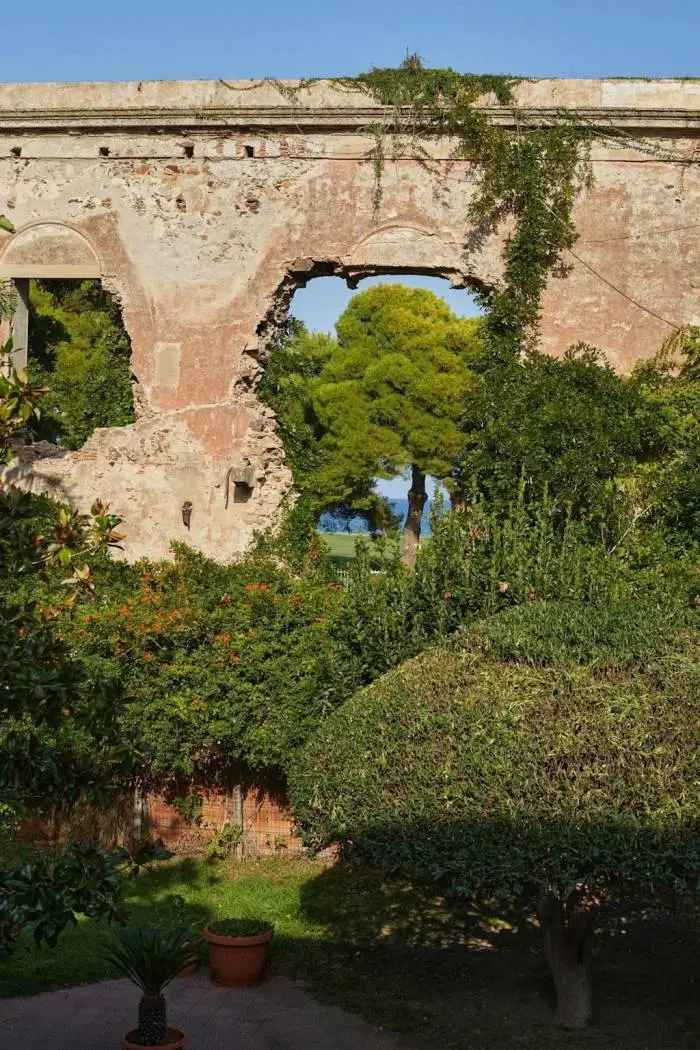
(483, 561)
(501, 780)
(82, 354)
(568, 425)
(45, 894)
(622, 634)
(219, 664)
(671, 386)
(239, 927)
(151, 957)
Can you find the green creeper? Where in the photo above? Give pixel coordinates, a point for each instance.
(391, 396)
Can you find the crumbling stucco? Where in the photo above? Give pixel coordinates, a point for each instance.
(203, 206)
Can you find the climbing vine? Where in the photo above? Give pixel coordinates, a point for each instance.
(527, 173)
(527, 177)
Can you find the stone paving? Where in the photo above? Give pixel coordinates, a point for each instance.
(276, 1015)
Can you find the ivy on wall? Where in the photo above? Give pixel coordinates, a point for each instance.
(527, 174)
(529, 177)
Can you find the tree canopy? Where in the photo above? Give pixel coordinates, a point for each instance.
(81, 353)
(390, 395)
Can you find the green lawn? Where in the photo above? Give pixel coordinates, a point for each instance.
(342, 545)
(441, 973)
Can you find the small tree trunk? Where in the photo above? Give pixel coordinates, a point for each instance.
(417, 497)
(568, 939)
(153, 1020)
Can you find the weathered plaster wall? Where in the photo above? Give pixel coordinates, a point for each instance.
(203, 206)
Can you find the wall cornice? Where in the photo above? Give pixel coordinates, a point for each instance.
(642, 106)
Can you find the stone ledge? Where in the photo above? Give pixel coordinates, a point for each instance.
(307, 120)
(323, 105)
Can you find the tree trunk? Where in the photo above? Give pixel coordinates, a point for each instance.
(417, 497)
(153, 1021)
(567, 926)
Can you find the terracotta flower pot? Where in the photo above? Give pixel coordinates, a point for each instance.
(176, 1041)
(238, 960)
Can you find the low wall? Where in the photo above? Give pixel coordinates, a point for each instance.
(264, 815)
(268, 825)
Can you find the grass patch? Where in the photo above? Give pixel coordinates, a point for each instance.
(440, 972)
(341, 545)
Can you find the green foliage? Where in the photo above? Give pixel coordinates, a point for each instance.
(296, 360)
(569, 426)
(498, 777)
(151, 956)
(44, 895)
(241, 675)
(239, 927)
(224, 842)
(114, 678)
(189, 807)
(81, 353)
(58, 736)
(487, 560)
(390, 395)
(670, 384)
(20, 401)
(624, 633)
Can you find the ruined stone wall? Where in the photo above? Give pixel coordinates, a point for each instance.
(204, 206)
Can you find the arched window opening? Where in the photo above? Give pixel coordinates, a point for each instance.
(362, 490)
(72, 336)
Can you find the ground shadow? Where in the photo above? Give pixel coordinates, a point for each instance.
(459, 975)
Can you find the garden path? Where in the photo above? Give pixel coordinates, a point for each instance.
(276, 1015)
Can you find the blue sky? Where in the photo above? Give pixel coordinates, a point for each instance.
(325, 298)
(80, 40)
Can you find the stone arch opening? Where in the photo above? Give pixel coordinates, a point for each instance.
(68, 330)
(78, 349)
(63, 308)
(42, 250)
(353, 272)
(340, 280)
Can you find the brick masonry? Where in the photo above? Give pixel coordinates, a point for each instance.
(268, 825)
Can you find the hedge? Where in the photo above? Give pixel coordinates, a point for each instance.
(496, 775)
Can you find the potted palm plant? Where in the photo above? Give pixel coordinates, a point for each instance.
(238, 949)
(151, 957)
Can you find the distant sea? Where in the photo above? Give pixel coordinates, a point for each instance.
(331, 523)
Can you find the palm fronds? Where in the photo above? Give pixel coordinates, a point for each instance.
(151, 956)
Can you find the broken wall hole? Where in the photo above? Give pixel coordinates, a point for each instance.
(71, 334)
(104, 151)
(249, 151)
(296, 351)
(16, 151)
(188, 151)
(317, 294)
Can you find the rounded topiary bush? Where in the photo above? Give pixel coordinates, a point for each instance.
(498, 774)
(624, 633)
(505, 779)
